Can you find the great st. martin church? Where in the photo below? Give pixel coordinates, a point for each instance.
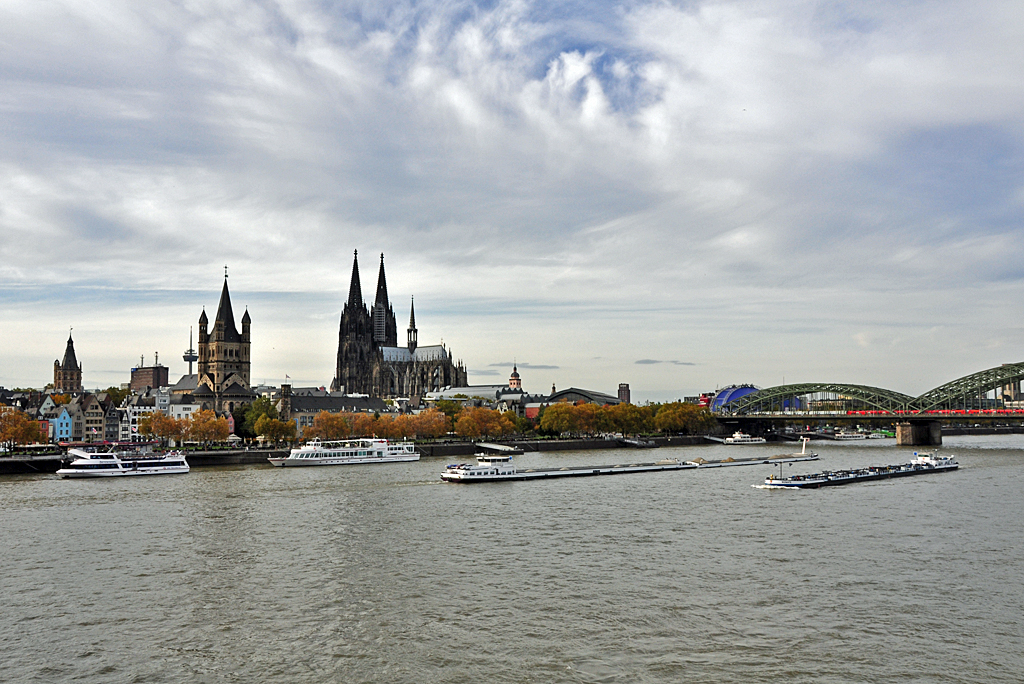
(369, 358)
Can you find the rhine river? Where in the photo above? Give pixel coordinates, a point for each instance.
(385, 574)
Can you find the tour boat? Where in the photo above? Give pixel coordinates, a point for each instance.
(922, 464)
(498, 468)
(849, 436)
(743, 438)
(118, 463)
(347, 452)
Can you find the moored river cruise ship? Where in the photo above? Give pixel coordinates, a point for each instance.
(121, 464)
(743, 438)
(347, 452)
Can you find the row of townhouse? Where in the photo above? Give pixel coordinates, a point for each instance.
(91, 417)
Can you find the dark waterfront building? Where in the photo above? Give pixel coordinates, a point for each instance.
(224, 358)
(67, 374)
(149, 376)
(369, 358)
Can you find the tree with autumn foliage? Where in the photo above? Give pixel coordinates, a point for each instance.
(630, 419)
(18, 428)
(432, 424)
(475, 422)
(559, 418)
(163, 427)
(328, 426)
(206, 426)
(363, 424)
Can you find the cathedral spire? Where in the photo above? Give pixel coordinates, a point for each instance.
(385, 331)
(355, 292)
(382, 286)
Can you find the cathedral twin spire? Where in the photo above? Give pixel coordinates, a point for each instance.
(366, 363)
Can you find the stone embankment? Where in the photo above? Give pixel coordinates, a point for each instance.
(50, 463)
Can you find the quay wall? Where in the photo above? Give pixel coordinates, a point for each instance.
(50, 463)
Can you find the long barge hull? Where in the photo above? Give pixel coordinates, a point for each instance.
(843, 477)
(755, 461)
(572, 471)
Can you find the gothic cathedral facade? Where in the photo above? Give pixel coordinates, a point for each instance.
(369, 358)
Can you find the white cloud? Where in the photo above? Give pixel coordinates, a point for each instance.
(671, 181)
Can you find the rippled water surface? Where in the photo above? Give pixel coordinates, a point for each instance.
(385, 574)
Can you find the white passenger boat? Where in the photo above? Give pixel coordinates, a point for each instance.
(490, 468)
(120, 464)
(347, 452)
(743, 438)
(849, 436)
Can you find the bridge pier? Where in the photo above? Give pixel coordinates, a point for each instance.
(919, 433)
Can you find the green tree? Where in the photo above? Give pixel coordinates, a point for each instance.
(273, 429)
(685, 418)
(450, 408)
(116, 394)
(261, 407)
(630, 419)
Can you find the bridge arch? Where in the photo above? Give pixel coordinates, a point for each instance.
(965, 391)
(773, 398)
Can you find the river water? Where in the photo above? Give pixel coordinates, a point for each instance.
(385, 574)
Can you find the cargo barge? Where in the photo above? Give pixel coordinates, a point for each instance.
(498, 468)
(921, 465)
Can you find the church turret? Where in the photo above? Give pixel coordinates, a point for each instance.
(245, 325)
(413, 333)
(67, 374)
(514, 381)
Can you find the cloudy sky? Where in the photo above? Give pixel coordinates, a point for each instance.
(677, 195)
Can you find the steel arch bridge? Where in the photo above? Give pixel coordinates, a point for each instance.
(963, 394)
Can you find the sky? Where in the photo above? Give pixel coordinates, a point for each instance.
(675, 195)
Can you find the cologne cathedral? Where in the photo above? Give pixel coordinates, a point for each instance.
(369, 358)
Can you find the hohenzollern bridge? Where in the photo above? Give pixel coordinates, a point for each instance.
(987, 395)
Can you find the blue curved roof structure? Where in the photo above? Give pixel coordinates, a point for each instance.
(731, 393)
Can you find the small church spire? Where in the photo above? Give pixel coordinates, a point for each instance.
(413, 333)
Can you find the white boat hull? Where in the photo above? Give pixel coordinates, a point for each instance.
(82, 474)
(347, 452)
(109, 464)
(289, 462)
